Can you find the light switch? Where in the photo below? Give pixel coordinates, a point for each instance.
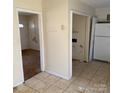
(62, 27)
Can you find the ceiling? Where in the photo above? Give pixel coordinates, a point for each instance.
(97, 3)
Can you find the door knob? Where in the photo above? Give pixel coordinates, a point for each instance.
(81, 46)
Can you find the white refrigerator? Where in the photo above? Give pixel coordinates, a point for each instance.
(102, 42)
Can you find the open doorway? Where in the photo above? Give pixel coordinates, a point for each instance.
(30, 43)
(79, 40)
(79, 37)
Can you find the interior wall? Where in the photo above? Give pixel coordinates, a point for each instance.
(33, 32)
(79, 32)
(29, 33)
(78, 5)
(34, 5)
(101, 13)
(56, 36)
(56, 16)
(24, 32)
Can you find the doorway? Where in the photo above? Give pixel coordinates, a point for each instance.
(30, 39)
(79, 39)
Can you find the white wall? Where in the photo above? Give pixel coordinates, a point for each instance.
(79, 32)
(24, 32)
(101, 13)
(29, 33)
(33, 32)
(34, 5)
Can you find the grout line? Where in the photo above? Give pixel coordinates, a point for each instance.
(71, 82)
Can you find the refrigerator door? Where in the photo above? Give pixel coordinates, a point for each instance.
(102, 29)
(102, 48)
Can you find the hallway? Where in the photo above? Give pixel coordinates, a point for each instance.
(87, 78)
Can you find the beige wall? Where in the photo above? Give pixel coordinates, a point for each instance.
(79, 32)
(101, 13)
(56, 14)
(17, 64)
(56, 36)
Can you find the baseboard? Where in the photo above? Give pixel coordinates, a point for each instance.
(79, 60)
(101, 60)
(14, 86)
(56, 74)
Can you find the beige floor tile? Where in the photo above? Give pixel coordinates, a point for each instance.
(94, 90)
(32, 82)
(51, 79)
(81, 82)
(74, 88)
(42, 76)
(16, 91)
(87, 78)
(63, 84)
(22, 88)
(41, 86)
(53, 89)
(74, 91)
(25, 89)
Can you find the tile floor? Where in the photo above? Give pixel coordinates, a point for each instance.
(87, 78)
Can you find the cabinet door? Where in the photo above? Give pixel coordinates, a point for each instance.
(102, 48)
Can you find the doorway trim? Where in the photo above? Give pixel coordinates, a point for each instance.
(70, 36)
(41, 38)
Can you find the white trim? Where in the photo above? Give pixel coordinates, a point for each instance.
(70, 44)
(27, 11)
(41, 38)
(20, 52)
(70, 38)
(79, 13)
(18, 84)
(58, 75)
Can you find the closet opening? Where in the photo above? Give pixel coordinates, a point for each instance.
(79, 41)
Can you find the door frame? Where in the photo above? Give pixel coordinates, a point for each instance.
(41, 38)
(70, 36)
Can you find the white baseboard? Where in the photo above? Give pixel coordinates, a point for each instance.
(56, 74)
(17, 84)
